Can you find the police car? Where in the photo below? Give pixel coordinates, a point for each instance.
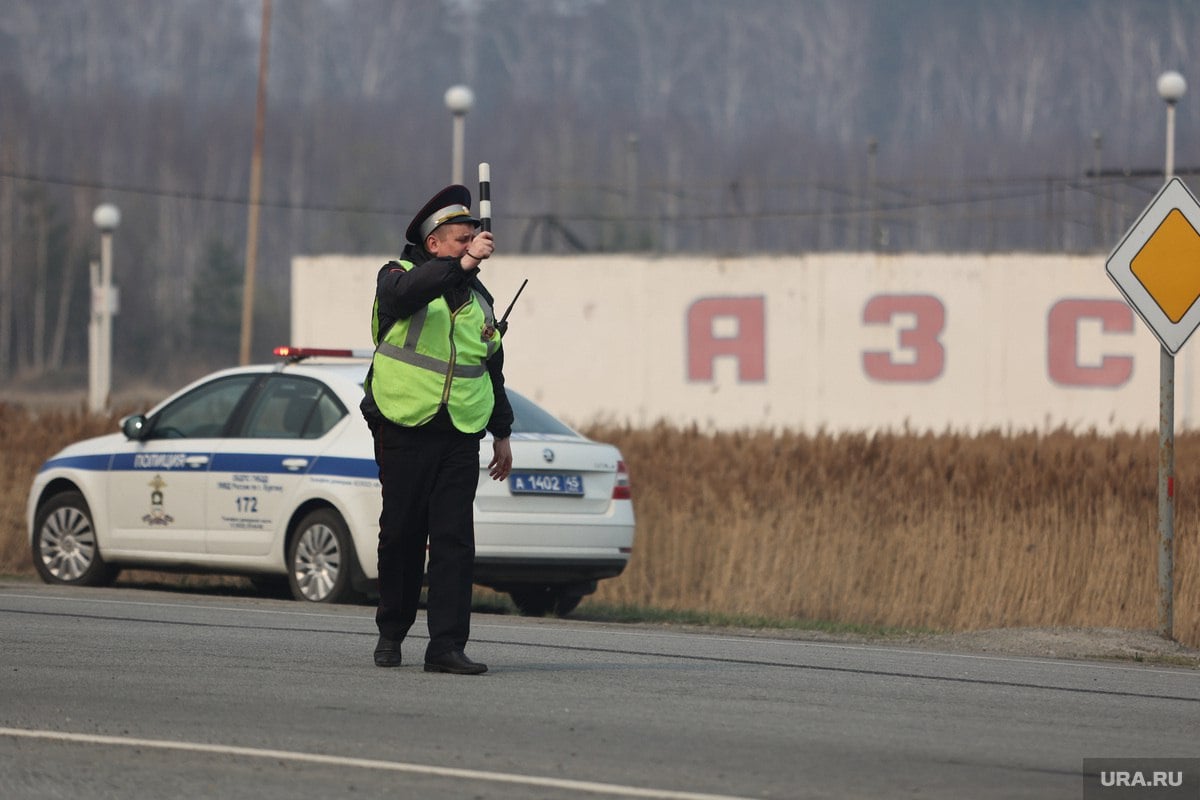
(269, 471)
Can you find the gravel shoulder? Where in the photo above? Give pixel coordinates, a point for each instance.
(1089, 644)
(1068, 643)
(1086, 644)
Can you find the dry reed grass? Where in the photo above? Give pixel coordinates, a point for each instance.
(949, 532)
(27, 438)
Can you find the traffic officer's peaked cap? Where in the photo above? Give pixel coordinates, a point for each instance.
(452, 204)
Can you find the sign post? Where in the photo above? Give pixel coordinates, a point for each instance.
(1157, 268)
(1166, 494)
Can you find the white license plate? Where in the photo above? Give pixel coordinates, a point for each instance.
(561, 483)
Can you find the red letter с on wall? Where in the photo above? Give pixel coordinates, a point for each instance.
(1062, 342)
(747, 344)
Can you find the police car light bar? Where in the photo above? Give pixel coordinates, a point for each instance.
(297, 353)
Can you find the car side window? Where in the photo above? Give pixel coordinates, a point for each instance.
(329, 413)
(203, 412)
(290, 407)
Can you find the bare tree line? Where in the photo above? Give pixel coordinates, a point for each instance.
(723, 126)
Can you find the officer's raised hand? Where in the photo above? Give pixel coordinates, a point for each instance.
(480, 248)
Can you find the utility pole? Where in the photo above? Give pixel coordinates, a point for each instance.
(255, 189)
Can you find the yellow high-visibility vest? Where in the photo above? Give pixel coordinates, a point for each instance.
(436, 356)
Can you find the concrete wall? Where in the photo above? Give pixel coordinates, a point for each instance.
(833, 341)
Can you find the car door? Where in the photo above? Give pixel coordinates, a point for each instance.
(157, 485)
(255, 476)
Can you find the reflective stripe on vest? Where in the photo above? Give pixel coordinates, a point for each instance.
(436, 357)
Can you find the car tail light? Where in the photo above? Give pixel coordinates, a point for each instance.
(622, 489)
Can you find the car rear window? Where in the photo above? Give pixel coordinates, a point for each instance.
(531, 418)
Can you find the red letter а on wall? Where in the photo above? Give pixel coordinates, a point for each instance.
(746, 340)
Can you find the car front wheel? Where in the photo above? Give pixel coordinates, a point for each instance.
(321, 558)
(64, 543)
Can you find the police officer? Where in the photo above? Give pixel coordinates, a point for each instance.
(436, 383)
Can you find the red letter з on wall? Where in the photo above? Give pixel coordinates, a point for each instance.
(727, 326)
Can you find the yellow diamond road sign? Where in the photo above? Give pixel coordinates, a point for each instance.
(1157, 265)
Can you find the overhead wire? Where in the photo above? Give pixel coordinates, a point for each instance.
(917, 195)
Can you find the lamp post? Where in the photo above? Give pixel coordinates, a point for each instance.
(459, 100)
(1171, 88)
(1097, 147)
(106, 218)
(874, 239)
(632, 225)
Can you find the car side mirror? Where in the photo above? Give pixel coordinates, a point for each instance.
(134, 427)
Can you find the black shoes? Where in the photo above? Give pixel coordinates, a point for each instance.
(453, 661)
(387, 653)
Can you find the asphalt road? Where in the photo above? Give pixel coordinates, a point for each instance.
(126, 693)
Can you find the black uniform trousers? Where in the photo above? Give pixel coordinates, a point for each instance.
(428, 481)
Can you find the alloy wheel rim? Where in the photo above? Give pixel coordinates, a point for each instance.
(68, 544)
(317, 562)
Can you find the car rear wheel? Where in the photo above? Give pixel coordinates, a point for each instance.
(321, 559)
(537, 600)
(64, 543)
